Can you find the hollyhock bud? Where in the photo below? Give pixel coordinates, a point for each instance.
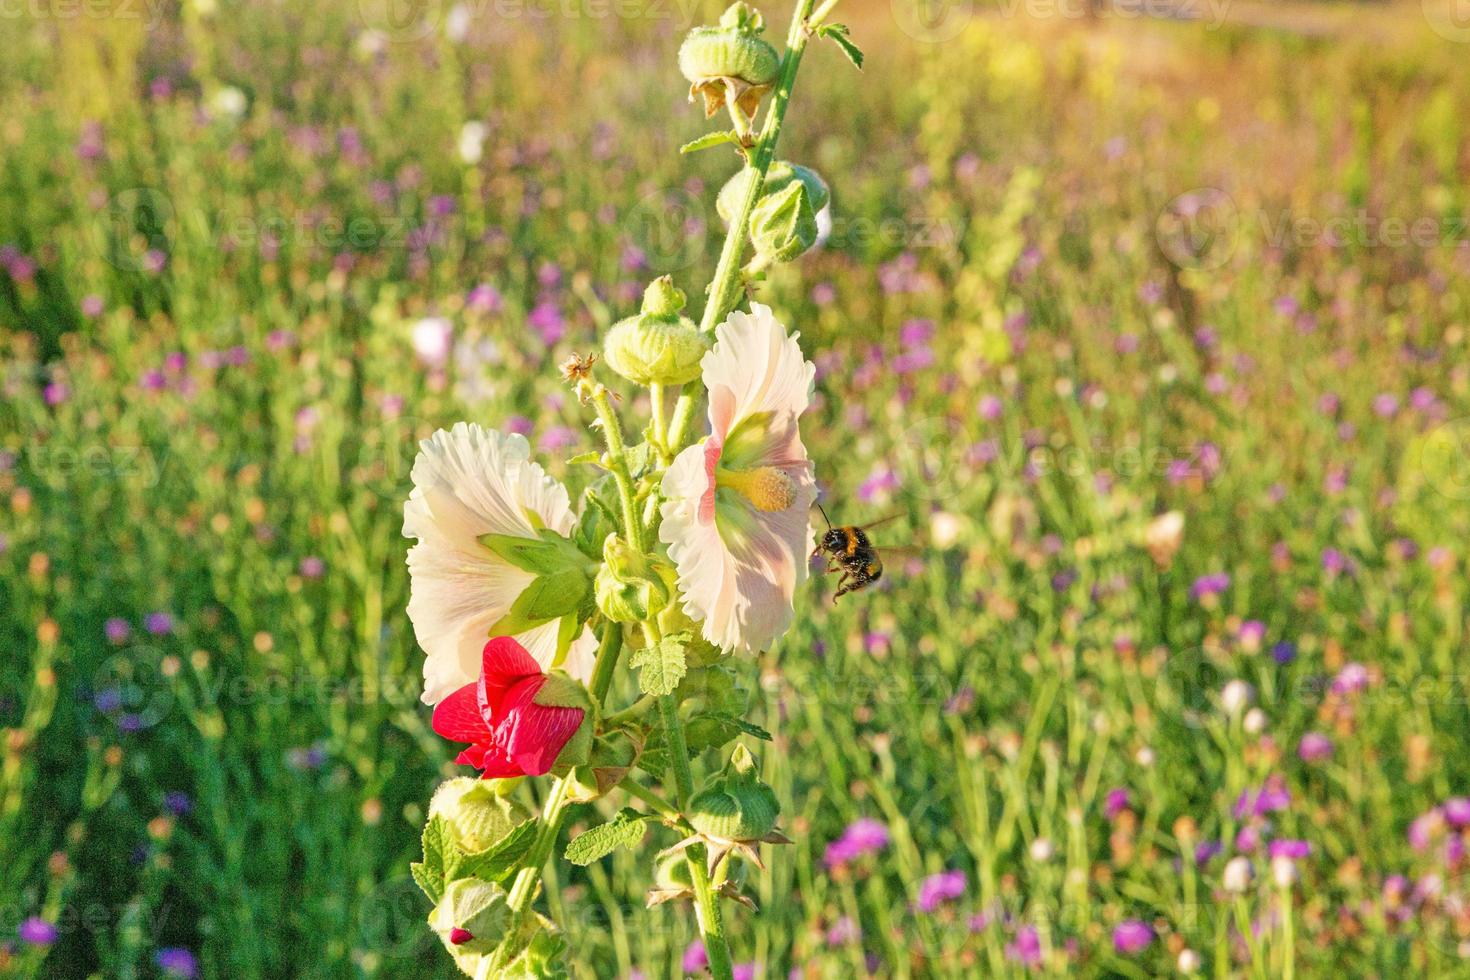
(729, 62)
(658, 346)
(735, 805)
(783, 224)
(471, 918)
(632, 586)
(779, 176)
(476, 812)
(518, 721)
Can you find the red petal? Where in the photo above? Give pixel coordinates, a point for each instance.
(458, 717)
(496, 766)
(539, 735)
(503, 662)
(473, 756)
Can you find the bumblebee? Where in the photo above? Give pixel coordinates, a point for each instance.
(849, 550)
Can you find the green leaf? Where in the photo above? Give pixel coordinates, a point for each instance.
(710, 140)
(500, 859)
(624, 830)
(661, 667)
(431, 886)
(437, 848)
(595, 458)
(713, 729)
(838, 35)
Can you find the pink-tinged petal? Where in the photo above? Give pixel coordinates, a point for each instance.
(504, 663)
(539, 734)
(739, 567)
(754, 368)
(458, 717)
(707, 499)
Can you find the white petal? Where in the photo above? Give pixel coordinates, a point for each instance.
(468, 482)
(740, 571)
(755, 367)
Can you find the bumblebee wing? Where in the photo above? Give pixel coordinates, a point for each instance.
(881, 521)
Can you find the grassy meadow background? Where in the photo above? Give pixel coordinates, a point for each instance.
(1081, 272)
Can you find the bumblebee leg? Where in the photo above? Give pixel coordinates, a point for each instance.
(841, 587)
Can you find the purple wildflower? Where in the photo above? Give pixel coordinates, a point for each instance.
(935, 890)
(1132, 936)
(36, 931)
(177, 962)
(1314, 747)
(1026, 948)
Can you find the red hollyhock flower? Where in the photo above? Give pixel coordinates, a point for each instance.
(515, 723)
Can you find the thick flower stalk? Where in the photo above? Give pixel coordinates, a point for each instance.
(684, 553)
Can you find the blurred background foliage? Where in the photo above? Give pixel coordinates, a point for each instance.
(1081, 270)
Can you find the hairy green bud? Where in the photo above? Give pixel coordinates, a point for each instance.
(735, 805)
(477, 813)
(632, 586)
(472, 917)
(730, 60)
(779, 176)
(658, 345)
(784, 225)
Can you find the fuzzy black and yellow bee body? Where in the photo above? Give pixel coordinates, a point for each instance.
(849, 550)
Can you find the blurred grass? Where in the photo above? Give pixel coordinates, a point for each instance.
(1020, 186)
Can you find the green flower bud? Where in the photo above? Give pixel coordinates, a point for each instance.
(783, 225)
(735, 805)
(779, 176)
(658, 346)
(476, 812)
(731, 58)
(471, 918)
(631, 586)
(613, 754)
(540, 960)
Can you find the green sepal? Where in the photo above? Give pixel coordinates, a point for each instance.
(546, 553)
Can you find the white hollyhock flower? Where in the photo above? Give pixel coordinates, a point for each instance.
(469, 482)
(738, 501)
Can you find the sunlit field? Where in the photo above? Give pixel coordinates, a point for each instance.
(1152, 333)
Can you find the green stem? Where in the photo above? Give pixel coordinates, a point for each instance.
(725, 285)
(523, 890)
(608, 652)
(612, 431)
(706, 902)
(660, 421)
(659, 805)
